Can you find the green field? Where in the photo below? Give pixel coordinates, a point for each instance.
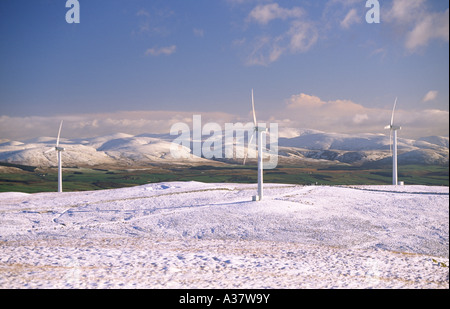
(32, 180)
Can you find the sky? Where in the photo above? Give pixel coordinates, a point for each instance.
(140, 66)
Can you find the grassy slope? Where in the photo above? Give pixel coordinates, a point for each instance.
(80, 179)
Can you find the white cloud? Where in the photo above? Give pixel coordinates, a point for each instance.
(411, 20)
(382, 52)
(143, 12)
(351, 18)
(298, 36)
(360, 118)
(92, 125)
(345, 116)
(342, 14)
(241, 2)
(305, 101)
(263, 14)
(309, 111)
(300, 111)
(302, 35)
(155, 51)
(405, 11)
(198, 32)
(265, 50)
(432, 26)
(430, 96)
(153, 23)
(419, 26)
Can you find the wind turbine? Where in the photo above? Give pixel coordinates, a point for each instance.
(58, 150)
(260, 130)
(393, 145)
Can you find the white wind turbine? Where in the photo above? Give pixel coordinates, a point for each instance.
(261, 130)
(393, 145)
(58, 150)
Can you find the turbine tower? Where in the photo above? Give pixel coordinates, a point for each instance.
(58, 150)
(393, 145)
(259, 130)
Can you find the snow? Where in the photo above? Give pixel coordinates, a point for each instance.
(122, 149)
(197, 235)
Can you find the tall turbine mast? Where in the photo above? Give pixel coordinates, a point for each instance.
(258, 131)
(393, 145)
(58, 150)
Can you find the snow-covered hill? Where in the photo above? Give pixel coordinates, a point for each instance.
(359, 148)
(197, 235)
(127, 150)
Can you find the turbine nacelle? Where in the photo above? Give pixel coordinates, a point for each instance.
(59, 148)
(261, 129)
(392, 127)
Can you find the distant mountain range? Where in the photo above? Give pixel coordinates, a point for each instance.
(124, 150)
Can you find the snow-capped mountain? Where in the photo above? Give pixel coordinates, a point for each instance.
(122, 149)
(360, 148)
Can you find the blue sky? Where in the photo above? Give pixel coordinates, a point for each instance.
(137, 66)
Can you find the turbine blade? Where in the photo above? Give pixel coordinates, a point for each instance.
(59, 133)
(50, 150)
(393, 111)
(253, 107)
(249, 143)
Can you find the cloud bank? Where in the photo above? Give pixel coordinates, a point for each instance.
(345, 116)
(91, 125)
(299, 111)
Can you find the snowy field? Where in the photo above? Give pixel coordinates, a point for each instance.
(196, 235)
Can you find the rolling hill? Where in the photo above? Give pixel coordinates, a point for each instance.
(197, 235)
(128, 150)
